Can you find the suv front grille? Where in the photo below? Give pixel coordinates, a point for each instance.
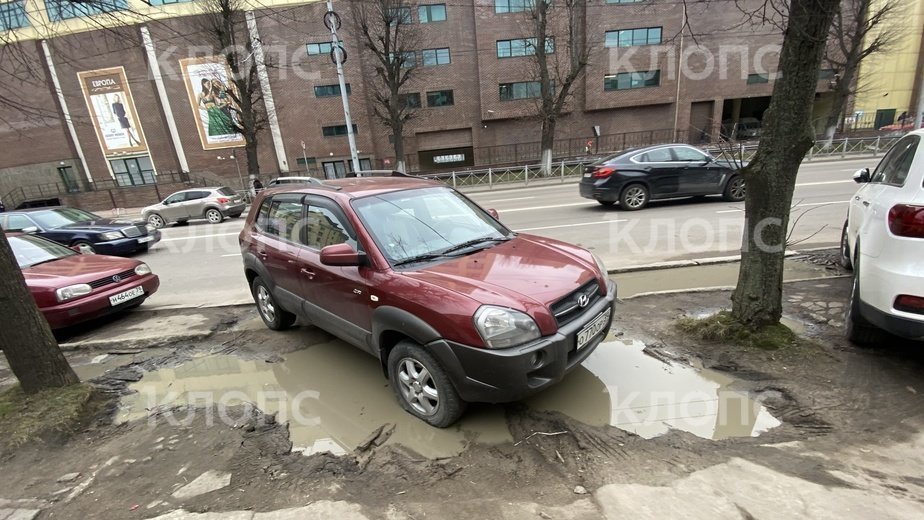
(102, 282)
(569, 307)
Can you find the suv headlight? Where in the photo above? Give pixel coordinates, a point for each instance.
(111, 235)
(501, 328)
(600, 265)
(73, 291)
(142, 270)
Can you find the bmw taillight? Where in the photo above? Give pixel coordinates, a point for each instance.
(223, 200)
(604, 172)
(908, 303)
(907, 221)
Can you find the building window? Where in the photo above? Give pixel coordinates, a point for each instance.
(512, 6)
(632, 80)
(336, 130)
(330, 90)
(318, 48)
(306, 161)
(408, 59)
(522, 47)
(633, 37)
(826, 74)
(439, 98)
(411, 100)
(431, 13)
(13, 15)
(65, 9)
(133, 172)
(400, 15)
(755, 79)
(431, 57)
(521, 90)
(168, 2)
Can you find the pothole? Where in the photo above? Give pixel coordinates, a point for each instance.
(333, 396)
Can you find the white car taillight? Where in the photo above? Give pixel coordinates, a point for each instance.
(908, 303)
(907, 221)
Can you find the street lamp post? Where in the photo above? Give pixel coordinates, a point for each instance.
(237, 167)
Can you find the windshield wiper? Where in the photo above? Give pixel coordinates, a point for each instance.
(474, 242)
(419, 258)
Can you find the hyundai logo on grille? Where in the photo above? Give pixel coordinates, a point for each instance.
(583, 300)
(117, 279)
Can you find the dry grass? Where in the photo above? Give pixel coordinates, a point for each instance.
(57, 411)
(723, 328)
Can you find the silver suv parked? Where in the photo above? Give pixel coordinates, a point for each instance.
(212, 204)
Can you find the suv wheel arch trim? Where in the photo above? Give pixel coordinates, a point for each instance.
(392, 319)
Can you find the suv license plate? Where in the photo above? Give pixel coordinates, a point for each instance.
(593, 328)
(123, 297)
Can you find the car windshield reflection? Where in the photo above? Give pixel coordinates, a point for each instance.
(56, 218)
(30, 251)
(423, 224)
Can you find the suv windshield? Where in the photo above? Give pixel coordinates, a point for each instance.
(424, 223)
(56, 218)
(30, 250)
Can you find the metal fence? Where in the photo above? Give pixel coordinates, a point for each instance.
(563, 171)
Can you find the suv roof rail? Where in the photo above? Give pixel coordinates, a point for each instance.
(321, 184)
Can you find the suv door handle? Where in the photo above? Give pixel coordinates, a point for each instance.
(307, 272)
(262, 254)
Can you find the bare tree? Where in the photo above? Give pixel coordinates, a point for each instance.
(786, 137)
(857, 32)
(387, 32)
(558, 62)
(26, 340)
(223, 22)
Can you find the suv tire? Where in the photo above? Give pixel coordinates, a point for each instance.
(633, 197)
(214, 216)
(272, 314)
(422, 387)
(844, 260)
(857, 329)
(735, 189)
(156, 221)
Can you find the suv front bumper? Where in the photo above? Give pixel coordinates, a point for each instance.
(504, 375)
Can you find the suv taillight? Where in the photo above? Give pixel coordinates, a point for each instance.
(908, 303)
(907, 221)
(223, 200)
(604, 172)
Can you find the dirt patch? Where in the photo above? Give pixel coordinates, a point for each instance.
(831, 397)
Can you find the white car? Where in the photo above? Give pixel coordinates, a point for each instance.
(883, 240)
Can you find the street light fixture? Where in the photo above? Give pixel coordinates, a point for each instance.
(237, 167)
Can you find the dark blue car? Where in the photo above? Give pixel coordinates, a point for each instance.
(76, 227)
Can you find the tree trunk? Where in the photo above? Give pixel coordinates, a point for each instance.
(546, 144)
(397, 128)
(26, 339)
(253, 161)
(786, 136)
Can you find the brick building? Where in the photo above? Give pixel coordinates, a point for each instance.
(124, 104)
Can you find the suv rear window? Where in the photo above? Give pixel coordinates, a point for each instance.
(226, 191)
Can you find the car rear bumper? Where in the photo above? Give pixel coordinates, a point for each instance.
(125, 246)
(97, 304)
(600, 190)
(234, 209)
(504, 375)
(882, 280)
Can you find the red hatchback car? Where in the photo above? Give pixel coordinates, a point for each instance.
(71, 288)
(457, 307)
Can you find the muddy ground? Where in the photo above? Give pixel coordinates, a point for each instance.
(842, 409)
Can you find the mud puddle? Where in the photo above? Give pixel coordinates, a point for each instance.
(718, 275)
(620, 385)
(333, 396)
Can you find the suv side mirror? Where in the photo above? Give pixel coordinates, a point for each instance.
(861, 176)
(342, 255)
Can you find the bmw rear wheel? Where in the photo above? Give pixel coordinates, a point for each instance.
(634, 197)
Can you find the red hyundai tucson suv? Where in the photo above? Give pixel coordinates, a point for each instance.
(457, 307)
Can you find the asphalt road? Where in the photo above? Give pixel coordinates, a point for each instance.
(200, 264)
